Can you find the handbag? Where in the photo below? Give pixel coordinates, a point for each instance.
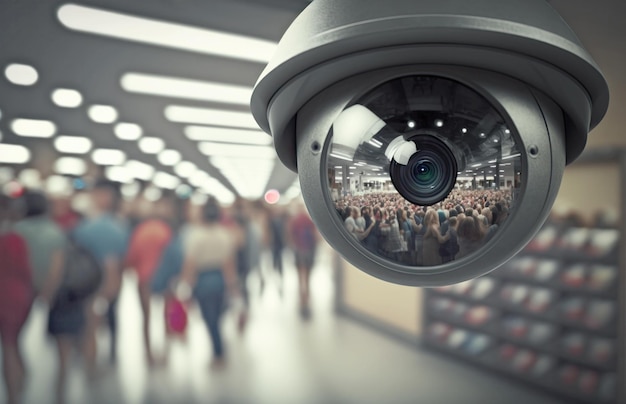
(176, 318)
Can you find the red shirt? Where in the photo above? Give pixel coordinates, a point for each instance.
(16, 290)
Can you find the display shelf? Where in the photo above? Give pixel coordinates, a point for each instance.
(610, 292)
(549, 347)
(548, 381)
(569, 292)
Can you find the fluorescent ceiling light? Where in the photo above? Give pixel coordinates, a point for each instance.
(340, 156)
(511, 156)
(249, 176)
(14, 154)
(198, 198)
(215, 188)
(21, 74)
(119, 174)
(186, 88)
(165, 180)
(209, 116)
(58, 185)
(227, 135)
(199, 178)
(166, 34)
(169, 157)
(33, 127)
(140, 170)
(233, 150)
(70, 166)
(128, 131)
(151, 145)
(152, 194)
(108, 157)
(30, 178)
(102, 113)
(130, 190)
(72, 144)
(185, 169)
(67, 98)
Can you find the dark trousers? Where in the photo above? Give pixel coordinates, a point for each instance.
(111, 318)
(277, 255)
(209, 293)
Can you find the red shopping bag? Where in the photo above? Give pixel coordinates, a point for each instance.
(175, 316)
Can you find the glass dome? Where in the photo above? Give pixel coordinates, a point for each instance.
(423, 170)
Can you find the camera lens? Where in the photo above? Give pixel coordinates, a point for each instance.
(423, 170)
(430, 174)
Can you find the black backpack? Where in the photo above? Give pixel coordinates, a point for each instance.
(82, 275)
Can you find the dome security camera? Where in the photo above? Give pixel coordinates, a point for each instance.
(452, 108)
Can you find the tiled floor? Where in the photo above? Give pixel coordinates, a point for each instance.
(279, 359)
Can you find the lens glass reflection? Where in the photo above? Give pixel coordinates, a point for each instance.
(423, 170)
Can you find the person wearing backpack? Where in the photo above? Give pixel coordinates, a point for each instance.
(46, 249)
(105, 236)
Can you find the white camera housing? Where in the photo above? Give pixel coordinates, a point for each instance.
(511, 71)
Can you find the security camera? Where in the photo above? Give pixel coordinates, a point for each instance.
(463, 113)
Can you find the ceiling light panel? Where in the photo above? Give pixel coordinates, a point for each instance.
(165, 180)
(208, 116)
(102, 113)
(119, 174)
(175, 87)
(151, 145)
(140, 170)
(227, 135)
(72, 144)
(234, 150)
(108, 157)
(249, 176)
(162, 33)
(33, 128)
(70, 166)
(128, 131)
(185, 169)
(66, 98)
(21, 74)
(169, 157)
(14, 154)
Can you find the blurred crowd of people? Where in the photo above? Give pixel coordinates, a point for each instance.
(389, 226)
(188, 253)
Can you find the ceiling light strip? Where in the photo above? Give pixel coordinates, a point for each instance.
(167, 34)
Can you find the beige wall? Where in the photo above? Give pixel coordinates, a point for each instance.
(395, 305)
(590, 188)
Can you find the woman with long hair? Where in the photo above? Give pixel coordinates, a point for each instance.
(432, 239)
(210, 270)
(471, 235)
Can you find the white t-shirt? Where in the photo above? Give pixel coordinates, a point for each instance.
(209, 246)
(350, 225)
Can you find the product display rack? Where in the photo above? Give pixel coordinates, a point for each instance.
(548, 317)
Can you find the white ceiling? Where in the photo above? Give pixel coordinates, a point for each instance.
(31, 33)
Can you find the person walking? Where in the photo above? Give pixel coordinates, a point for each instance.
(105, 236)
(210, 271)
(16, 297)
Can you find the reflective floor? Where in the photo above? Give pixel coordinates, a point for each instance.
(279, 359)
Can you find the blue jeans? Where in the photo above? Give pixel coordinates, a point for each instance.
(209, 292)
